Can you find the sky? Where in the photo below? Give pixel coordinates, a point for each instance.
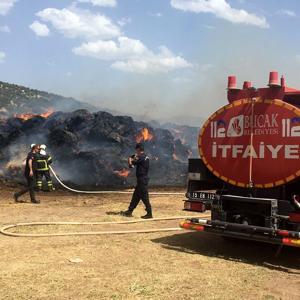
(159, 59)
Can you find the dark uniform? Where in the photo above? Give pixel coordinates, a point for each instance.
(30, 179)
(42, 170)
(141, 189)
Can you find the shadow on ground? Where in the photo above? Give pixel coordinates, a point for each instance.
(235, 250)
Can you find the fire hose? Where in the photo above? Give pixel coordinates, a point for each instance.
(106, 192)
(4, 229)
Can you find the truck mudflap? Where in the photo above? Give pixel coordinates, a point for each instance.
(243, 231)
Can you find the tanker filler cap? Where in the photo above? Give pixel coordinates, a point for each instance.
(247, 85)
(231, 83)
(273, 79)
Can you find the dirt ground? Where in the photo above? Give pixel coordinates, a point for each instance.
(169, 265)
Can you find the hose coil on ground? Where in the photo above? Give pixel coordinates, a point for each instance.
(4, 229)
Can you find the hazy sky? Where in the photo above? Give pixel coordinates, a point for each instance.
(158, 58)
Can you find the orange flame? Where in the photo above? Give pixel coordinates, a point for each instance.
(122, 173)
(27, 116)
(144, 135)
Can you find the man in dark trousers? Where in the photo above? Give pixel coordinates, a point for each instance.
(141, 161)
(29, 175)
(44, 160)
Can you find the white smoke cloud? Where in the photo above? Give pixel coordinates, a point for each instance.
(125, 48)
(156, 64)
(132, 55)
(4, 29)
(286, 12)
(155, 15)
(221, 9)
(124, 21)
(2, 56)
(6, 6)
(39, 29)
(77, 23)
(103, 3)
(104, 41)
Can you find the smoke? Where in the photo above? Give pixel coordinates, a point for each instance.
(91, 149)
(13, 155)
(191, 95)
(186, 96)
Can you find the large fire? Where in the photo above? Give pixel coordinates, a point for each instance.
(122, 173)
(27, 116)
(144, 135)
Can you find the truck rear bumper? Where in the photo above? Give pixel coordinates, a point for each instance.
(267, 235)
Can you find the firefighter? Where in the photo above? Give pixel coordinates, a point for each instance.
(141, 161)
(29, 173)
(43, 162)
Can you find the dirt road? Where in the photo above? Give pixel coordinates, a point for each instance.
(183, 265)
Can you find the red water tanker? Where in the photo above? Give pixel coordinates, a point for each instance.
(250, 153)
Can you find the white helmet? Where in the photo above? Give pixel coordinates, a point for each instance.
(32, 145)
(43, 147)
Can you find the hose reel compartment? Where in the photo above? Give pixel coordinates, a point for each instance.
(245, 210)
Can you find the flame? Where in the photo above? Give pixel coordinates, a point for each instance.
(122, 173)
(144, 135)
(48, 113)
(27, 116)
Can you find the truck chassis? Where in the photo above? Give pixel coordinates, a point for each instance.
(234, 215)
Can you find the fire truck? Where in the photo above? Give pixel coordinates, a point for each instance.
(248, 173)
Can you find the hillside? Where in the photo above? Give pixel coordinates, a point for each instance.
(19, 99)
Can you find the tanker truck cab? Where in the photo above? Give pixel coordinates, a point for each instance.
(248, 173)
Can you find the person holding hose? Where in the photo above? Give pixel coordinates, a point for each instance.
(29, 173)
(141, 161)
(44, 160)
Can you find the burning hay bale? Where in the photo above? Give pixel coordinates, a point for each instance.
(91, 149)
(28, 116)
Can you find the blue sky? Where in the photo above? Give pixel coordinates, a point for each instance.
(159, 58)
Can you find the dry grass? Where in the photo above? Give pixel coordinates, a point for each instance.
(183, 265)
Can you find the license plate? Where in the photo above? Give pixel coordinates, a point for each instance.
(201, 196)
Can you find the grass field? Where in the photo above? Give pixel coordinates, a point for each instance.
(169, 265)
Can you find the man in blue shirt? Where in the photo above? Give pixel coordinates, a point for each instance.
(29, 173)
(141, 161)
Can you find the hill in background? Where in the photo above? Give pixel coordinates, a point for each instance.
(15, 99)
